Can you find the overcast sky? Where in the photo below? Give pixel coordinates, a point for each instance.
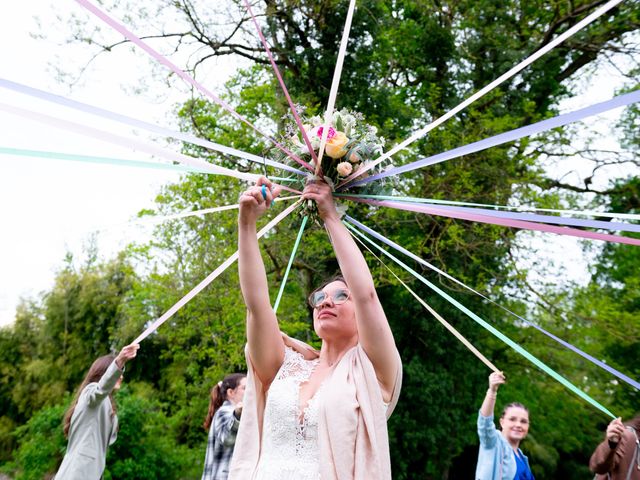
(50, 207)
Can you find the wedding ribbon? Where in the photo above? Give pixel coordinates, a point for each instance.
(544, 50)
(533, 217)
(192, 213)
(293, 255)
(128, 142)
(133, 122)
(212, 276)
(531, 358)
(511, 136)
(444, 323)
(100, 160)
(284, 87)
(333, 93)
(564, 343)
(432, 210)
(186, 77)
(515, 208)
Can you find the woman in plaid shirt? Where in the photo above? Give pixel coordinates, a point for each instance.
(222, 421)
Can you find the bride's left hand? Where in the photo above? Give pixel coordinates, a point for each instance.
(321, 193)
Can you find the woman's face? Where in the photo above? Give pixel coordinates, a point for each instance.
(331, 320)
(237, 394)
(515, 424)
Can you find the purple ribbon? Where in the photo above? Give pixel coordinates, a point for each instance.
(566, 344)
(516, 134)
(499, 221)
(134, 122)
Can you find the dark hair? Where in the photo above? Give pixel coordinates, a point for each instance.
(513, 404)
(336, 278)
(219, 394)
(95, 373)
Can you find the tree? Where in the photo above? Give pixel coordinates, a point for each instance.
(408, 62)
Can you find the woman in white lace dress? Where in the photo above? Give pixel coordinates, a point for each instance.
(309, 414)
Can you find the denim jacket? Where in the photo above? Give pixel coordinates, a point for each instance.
(496, 460)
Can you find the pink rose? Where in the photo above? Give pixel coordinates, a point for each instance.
(344, 169)
(330, 135)
(354, 157)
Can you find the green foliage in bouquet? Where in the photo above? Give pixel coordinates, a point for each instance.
(351, 145)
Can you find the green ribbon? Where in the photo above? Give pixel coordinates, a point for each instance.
(542, 366)
(99, 160)
(293, 255)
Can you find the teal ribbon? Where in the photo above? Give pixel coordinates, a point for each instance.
(100, 160)
(542, 366)
(293, 255)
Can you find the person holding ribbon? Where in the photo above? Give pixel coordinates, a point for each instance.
(500, 457)
(312, 414)
(91, 423)
(618, 456)
(222, 422)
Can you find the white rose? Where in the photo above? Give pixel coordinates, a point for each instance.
(344, 169)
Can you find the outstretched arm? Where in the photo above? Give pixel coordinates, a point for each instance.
(606, 457)
(487, 432)
(263, 335)
(495, 380)
(374, 332)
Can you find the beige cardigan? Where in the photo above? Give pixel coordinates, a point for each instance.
(352, 427)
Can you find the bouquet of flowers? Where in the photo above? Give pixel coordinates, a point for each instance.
(351, 145)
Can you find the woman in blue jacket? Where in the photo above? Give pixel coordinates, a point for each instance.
(500, 457)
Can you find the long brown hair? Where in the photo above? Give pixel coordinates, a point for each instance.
(95, 373)
(219, 395)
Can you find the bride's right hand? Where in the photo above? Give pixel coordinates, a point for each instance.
(255, 200)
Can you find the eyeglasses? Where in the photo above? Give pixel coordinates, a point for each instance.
(338, 297)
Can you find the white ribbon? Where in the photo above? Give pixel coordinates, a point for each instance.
(212, 276)
(127, 142)
(420, 133)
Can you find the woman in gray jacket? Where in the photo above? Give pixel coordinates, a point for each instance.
(91, 423)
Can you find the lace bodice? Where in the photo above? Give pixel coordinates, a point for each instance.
(290, 436)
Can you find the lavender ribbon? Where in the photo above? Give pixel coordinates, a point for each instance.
(511, 136)
(134, 122)
(564, 343)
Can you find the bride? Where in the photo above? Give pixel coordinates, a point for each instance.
(309, 414)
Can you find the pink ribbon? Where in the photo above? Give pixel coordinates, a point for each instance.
(186, 77)
(284, 87)
(430, 210)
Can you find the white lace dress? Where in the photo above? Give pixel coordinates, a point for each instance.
(290, 437)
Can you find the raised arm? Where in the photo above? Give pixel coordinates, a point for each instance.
(606, 457)
(374, 332)
(495, 380)
(263, 335)
(97, 392)
(487, 432)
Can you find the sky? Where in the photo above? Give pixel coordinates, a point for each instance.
(50, 207)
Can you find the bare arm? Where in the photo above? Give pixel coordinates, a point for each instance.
(263, 334)
(374, 332)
